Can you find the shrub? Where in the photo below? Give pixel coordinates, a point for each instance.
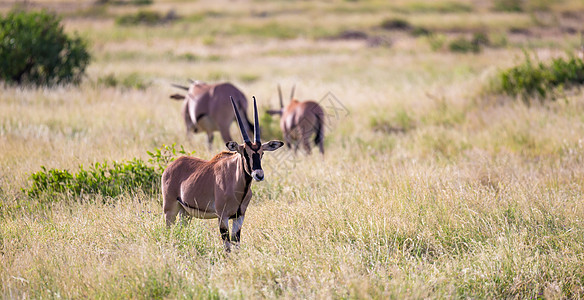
(508, 5)
(395, 24)
(538, 79)
(464, 45)
(125, 2)
(475, 44)
(270, 126)
(131, 81)
(435, 7)
(436, 41)
(145, 18)
(34, 49)
(107, 179)
(420, 31)
(400, 122)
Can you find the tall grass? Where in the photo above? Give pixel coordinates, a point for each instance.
(427, 189)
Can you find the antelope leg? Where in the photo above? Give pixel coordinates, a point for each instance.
(224, 230)
(236, 230)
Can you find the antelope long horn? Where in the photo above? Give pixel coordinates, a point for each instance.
(292, 93)
(180, 86)
(256, 123)
(240, 123)
(280, 94)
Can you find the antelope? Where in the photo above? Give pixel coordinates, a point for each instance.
(218, 188)
(299, 120)
(206, 108)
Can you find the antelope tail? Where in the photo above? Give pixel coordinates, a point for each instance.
(319, 137)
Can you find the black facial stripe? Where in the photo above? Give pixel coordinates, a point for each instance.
(246, 158)
(257, 162)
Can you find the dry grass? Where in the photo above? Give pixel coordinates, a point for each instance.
(475, 196)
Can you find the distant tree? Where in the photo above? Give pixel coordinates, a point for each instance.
(35, 50)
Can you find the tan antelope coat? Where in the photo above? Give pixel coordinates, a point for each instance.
(300, 120)
(218, 188)
(207, 108)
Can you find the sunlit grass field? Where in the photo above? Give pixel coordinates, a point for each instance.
(431, 186)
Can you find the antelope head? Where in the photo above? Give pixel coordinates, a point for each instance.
(252, 152)
(281, 110)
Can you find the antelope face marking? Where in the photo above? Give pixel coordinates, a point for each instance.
(252, 154)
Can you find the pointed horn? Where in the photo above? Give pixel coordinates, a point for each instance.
(292, 93)
(182, 87)
(256, 124)
(280, 94)
(239, 122)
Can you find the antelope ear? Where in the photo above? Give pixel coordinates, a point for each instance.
(272, 145)
(232, 146)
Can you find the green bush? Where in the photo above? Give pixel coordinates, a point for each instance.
(125, 2)
(131, 81)
(395, 24)
(464, 45)
(270, 126)
(420, 31)
(538, 79)
(107, 179)
(34, 49)
(508, 5)
(436, 41)
(434, 7)
(145, 18)
(474, 45)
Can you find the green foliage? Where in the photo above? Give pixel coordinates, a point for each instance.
(268, 30)
(270, 126)
(538, 79)
(161, 157)
(131, 81)
(189, 57)
(34, 49)
(420, 31)
(436, 41)
(101, 178)
(435, 7)
(395, 24)
(107, 179)
(249, 77)
(400, 122)
(463, 45)
(144, 17)
(125, 2)
(508, 5)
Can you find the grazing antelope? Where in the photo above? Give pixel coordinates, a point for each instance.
(218, 188)
(206, 108)
(299, 120)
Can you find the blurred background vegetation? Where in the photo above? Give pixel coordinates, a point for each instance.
(454, 168)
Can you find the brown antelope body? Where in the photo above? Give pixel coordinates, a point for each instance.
(299, 121)
(206, 108)
(218, 188)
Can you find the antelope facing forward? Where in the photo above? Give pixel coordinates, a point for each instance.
(299, 120)
(206, 108)
(218, 188)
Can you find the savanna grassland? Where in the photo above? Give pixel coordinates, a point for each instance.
(432, 186)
